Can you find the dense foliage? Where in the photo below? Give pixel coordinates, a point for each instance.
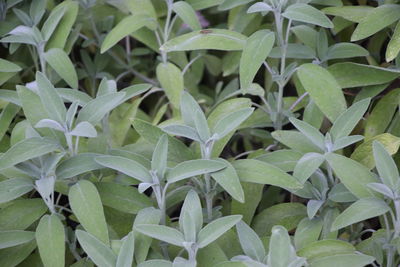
(230, 133)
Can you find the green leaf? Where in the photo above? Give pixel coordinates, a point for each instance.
(97, 251)
(177, 151)
(351, 13)
(160, 154)
(182, 130)
(310, 132)
(87, 207)
(126, 166)
(215, 39)
(228, 179)
(78, 164)
(281, 252)
(352, 174)
(61, 63)
(163, 233)
(307, 165)
(143, 242)
(308, 14)
(171, 79)
(345, 50)
(324, 248)
(15, 255)
(296, 141)
(350, 74)
(361, 210)
(284, 159)
(231, 122)
(97, 108)
(21, 213)
(252, 194)
(191, 217)
(14, 238)
(52, 21)
(324, 91)
(286, 214)
(13, 188)
(8, 66)
(255, 52)
(307, 232)
(215, 229)
(125, 255)
(250, 242)
(382, 114)
(255, 171)
(376, 20)
(125, 27)
(349, 119)
(156, 263)
(59, 37)
(50, 238)
(364, 152)
(193, 168)
(51, 101)
(353, 260)
(386, 166)
(27, 149)
(393, 47)
(121, 197)
(186, 12)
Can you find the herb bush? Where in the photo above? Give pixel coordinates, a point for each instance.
(223, 133)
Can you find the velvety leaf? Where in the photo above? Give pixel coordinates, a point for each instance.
(61, 63)
(354, 260)
(216, 39)
(307, 165)
(21, 213)
(14, 238)
(363, 209)
(125, 256)
(327, 247)
(351, 13)
(250, 242)
(393, 47)
(325, 91)
(13, 188)
(307, 231)
(87, 207)
(50, 238)
(78, 164)
(308, 14)
(186, 12)
(193, 168)
(161, 232)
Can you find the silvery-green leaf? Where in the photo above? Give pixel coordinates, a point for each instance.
(144, 186)
(313, 206)
(182, 130)
(393, 47)
(215, 229)
(250, 242)
(228, 179)
(308, 14)
(51, 100)
(281, 251)
(255, 52)
(125, 255)
(156, 263)
(186, 12)
(51, 22)
(126, 166)
(86, 204)
(307, 231)
(307, 165)
(192, 215)
(171, 80)
(125, 27)
(97, 251)
(84, 129)
(27, 149)
(135, 90)
(310, 132)
(71, 112)
(15, 237)
(215, 39)
(345, 50)
(231, 122)
(97, 108)
(285, 159)
(163, 233)
(361, 210)
(61, 63)
(48, 123)
(201, 125)
(50, 238)
(298, 51)
(193, 168)
(45, 187)
(383, 189)
(78, 164)
(346, 141)
(348, 120)
(259, 7)
(13, 188)
(386, 166)
(339, 193)
(143, 242)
